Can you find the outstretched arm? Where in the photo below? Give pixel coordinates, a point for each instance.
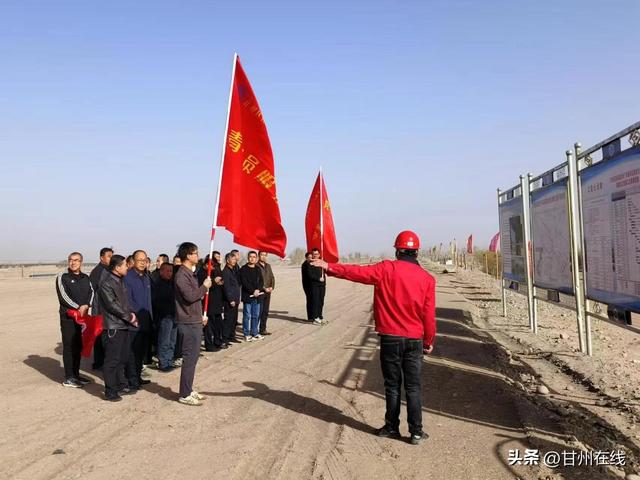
(367, 274)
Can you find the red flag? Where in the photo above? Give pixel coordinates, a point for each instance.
(470, 244)
(248, 204)
(494, 246)
(321, 233)
(91, 328)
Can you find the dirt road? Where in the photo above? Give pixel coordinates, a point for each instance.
(302, 403)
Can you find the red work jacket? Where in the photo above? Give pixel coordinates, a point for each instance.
(404, 296)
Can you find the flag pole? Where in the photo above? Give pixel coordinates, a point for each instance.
(217, 204)
(321, 217)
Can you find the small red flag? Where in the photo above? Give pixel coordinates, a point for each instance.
(91, 328)
(494, 246)
(321, 235)
(248, 205)
(470, 244)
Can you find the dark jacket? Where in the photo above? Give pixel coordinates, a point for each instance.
(231, 287)
(268, 279)
(116, 313)
(188, 296)
(73, 291)
(96, 276)
(139, 291)
(314, 274)
(215, 292)
(163, 299)
(304, 269)
(250, 280)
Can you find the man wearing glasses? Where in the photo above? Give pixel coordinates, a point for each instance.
(138, 286)
(189, 318)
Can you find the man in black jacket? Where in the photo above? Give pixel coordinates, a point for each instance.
(164, 311)
(231, 300)
(305, 283)
(100, 271)
(212, 331)
(116, 320)
(317, 289)
(252, 288)
(231, 294)
(74, 293)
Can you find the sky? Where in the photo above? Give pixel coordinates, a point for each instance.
(113, 113)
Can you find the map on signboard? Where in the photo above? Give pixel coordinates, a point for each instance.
(611, 217)
(512, 239)
(550, 237)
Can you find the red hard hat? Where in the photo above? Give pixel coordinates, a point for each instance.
(407, 240)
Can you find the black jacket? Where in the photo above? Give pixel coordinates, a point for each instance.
(116, 313)
(250, 280)
(231, 287)
(73, 291)
(314, 274)
(215, 292)
(96, 276)
(305, 275)
(163, 298)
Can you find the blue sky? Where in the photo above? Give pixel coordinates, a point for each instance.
(113, 113)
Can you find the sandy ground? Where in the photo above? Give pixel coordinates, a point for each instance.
(302, 403)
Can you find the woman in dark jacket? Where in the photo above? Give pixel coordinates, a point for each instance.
(117, 317)
(213, 340)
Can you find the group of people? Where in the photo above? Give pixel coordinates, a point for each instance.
(169, 308)
(163, 313)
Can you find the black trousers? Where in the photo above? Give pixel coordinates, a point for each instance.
(191, 337)
(71, 346)
(309, 302)
(138, 349)
(317, 301)
(264, 311)
(229, 322)
(401, 359)
(117, 345)
(213, 332)
(98, 355)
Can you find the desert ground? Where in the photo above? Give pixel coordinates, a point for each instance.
(303, 403)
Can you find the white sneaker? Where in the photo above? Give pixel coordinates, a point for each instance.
(324, 322)
(317, 321)
(197, 396)
(177, 362)
(248, 338)
(258, 337)
(190, 400)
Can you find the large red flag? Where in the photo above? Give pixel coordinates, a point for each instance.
(248, 204)
(321, 233)
(470, 244)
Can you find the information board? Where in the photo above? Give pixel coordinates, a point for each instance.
(512, 245)
(550, 238)
(611, 217)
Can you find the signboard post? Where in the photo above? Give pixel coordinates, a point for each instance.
(526, 220)
(576, 254)
(503, 293)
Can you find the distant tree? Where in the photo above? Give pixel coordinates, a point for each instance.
(297, 256)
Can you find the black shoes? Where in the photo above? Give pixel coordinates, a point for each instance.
(73, 383)
(113, 398)
(144, 381)
(127, 391)
(83, 380)
(265, 333)
(417, 438)
(388, 432)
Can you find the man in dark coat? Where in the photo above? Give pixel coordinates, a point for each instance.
(231, 299)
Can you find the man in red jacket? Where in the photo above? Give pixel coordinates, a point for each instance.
(404, 305)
